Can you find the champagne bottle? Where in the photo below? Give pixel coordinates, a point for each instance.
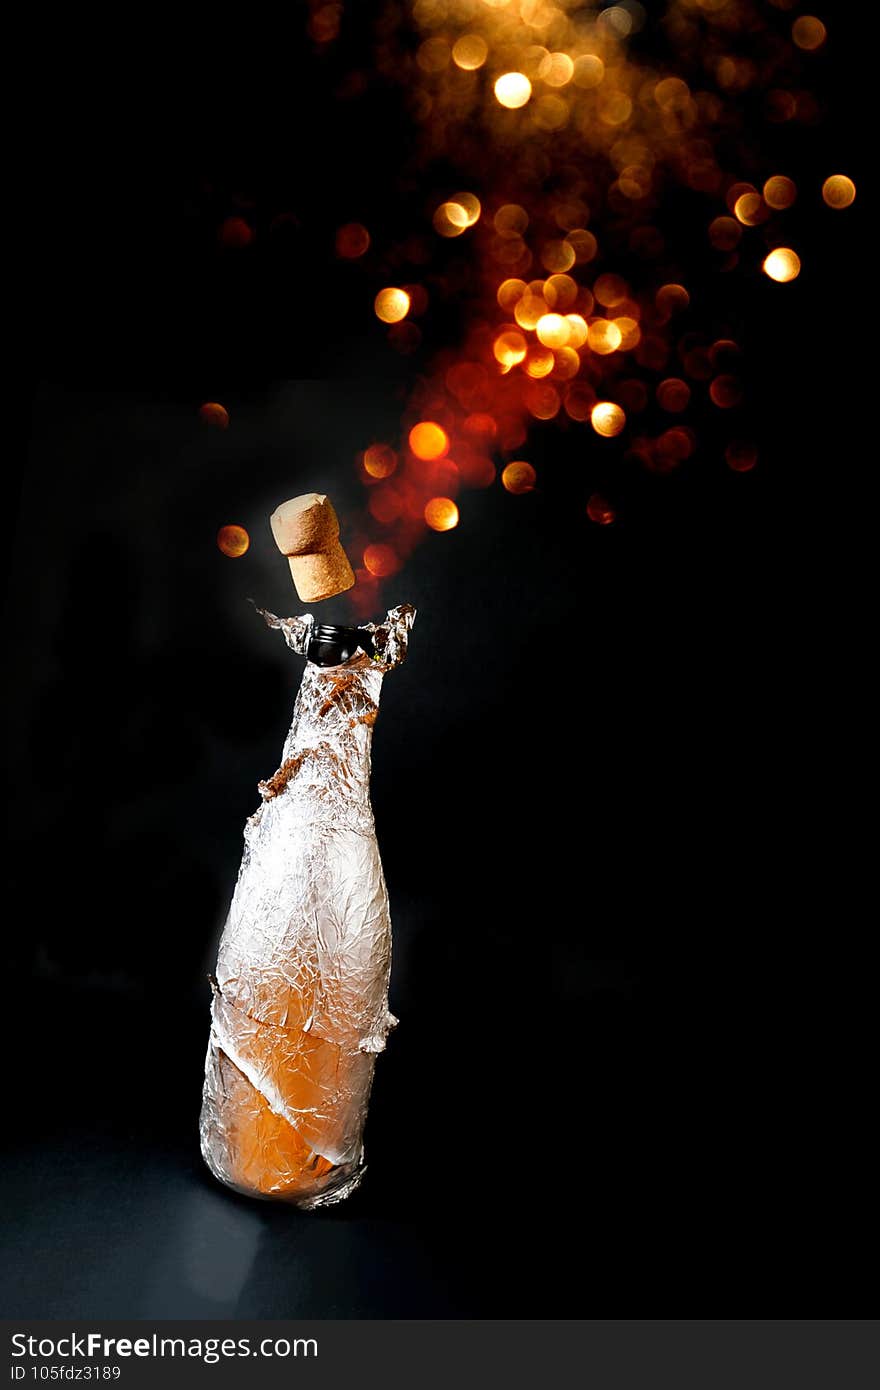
(300, 993)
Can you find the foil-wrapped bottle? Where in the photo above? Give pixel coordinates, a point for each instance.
(300, 994)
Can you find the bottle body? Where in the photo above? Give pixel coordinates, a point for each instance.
(300, 994)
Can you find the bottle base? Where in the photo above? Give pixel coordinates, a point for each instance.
(333, 1187)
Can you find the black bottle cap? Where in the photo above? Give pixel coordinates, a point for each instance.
(331, 645)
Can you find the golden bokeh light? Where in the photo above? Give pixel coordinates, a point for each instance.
(428, 440)
(672, 94)
(441, 514)
(352, 240)
(614, 106)
(451, 219)
(509, 293)
(470, 52)
(584, 244)
(509, 348)
(808, 32)
(600, 510)
(380, 460)
(511, 220)
(607, 419)
(214, 414)
(671, 299)
(779, 192)
(735, 191)
(622, 19)
(733, 73)
(570, 214)
(233, 541)
(604, 336)
(577, 330)
(750, 209)
(629, 308)
(634, 182)
(513, 90)
(782, 265)
(838, 191)
(558, 256)
(588, 71)
(391, 305)
(630, 332)
(582, 292)
(539, 362)
(553, 330)
(560, 292)
(556, 69)
(381, 560)
(519, 477)
(530, 309)
(567, 363)
(471, 205)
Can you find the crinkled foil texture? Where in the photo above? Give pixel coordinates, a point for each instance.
(300, 1006)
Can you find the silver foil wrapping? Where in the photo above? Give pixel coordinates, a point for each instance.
(300, 994)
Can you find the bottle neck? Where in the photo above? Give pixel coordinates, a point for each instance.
(332, 645)
(335, 711)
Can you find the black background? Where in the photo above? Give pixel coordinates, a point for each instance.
(628, 1070)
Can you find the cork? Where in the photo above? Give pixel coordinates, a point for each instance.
(306, 530)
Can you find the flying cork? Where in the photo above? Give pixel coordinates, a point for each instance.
(306, 530)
